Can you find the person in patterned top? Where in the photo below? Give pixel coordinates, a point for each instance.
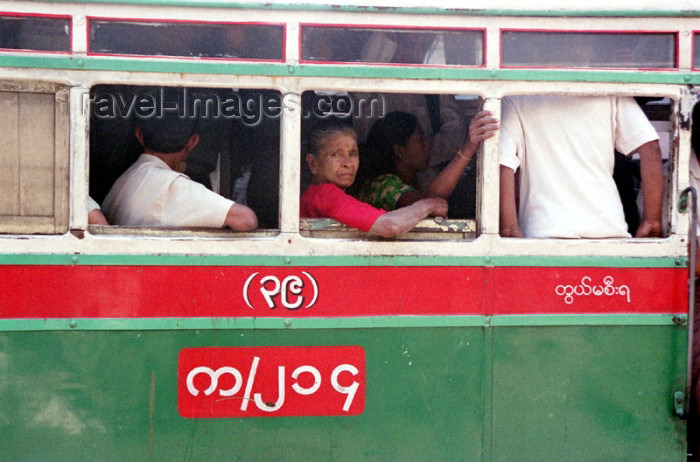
(333, 159)
(396, 149)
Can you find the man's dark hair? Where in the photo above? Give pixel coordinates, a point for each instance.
(169, 130)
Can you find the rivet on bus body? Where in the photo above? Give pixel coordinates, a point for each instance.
(73, 324)
(680, 319)
(290, 69)
(287, 260)
(80, 63)
(679, 262)
(74, 259)
(686, 77)
(287, 323)
(487, 259)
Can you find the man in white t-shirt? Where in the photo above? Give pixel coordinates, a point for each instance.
(154, 192)
(564, 148)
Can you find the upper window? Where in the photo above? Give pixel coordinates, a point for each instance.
(647, 50)
(34, 157)
(35, 33)
(428, 47)
(696, 50)
(187, 39)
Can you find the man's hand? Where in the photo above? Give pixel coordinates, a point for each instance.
(648, 229)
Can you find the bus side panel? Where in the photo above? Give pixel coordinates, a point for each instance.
(554, 393)
(588, 393)
(112, 395)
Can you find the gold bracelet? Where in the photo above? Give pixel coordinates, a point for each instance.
(459, 153)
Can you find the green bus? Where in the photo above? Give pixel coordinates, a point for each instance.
(306, 339)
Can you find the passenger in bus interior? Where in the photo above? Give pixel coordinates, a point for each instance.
(333, 158)
(445, 120)
(154, 192)
(695, 170)
(396, 150)
(95, 215)
(563, 148)
(694, 421)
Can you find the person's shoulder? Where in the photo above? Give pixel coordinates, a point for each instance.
(694, 165)
(325, 188)
(321, 191)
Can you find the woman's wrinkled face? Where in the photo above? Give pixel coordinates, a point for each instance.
(416, 153)
(336, 162)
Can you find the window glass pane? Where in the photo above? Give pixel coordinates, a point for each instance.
(696, 50)
(237, 155)
(211, 40)
(403, 46)
(41, 34)
(588, 50)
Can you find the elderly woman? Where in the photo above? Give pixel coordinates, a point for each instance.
(333, 158)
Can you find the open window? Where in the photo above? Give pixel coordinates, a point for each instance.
(375, 118)
(237, 155)
(571, 165)
(34, 154)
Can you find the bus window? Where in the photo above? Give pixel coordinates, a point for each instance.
(236, 156)
(583, 167)
(453, 47)
(696, 50)
(46, 33)
(404, 141)
(201, 40)
(34, 156)
(588, 49)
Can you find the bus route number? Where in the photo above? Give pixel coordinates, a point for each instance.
(271, 381)
(292, 292)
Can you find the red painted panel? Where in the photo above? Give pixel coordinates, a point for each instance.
(589, 290)
(271, 381)
(292, 292)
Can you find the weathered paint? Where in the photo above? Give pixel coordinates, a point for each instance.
(556, 8)
(150, 64)
(593, 261)
(442, 393)
(318, 292)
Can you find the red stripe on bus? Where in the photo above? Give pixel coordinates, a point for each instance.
(238, 291)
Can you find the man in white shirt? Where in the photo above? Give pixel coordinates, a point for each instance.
(154, 193)
(564, 148)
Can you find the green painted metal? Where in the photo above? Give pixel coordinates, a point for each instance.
(146, 64)
(375, 322)
(344, 260)
(534, 75)
(332, 6)
(362, 71)
(448, 394)
(587, 394)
